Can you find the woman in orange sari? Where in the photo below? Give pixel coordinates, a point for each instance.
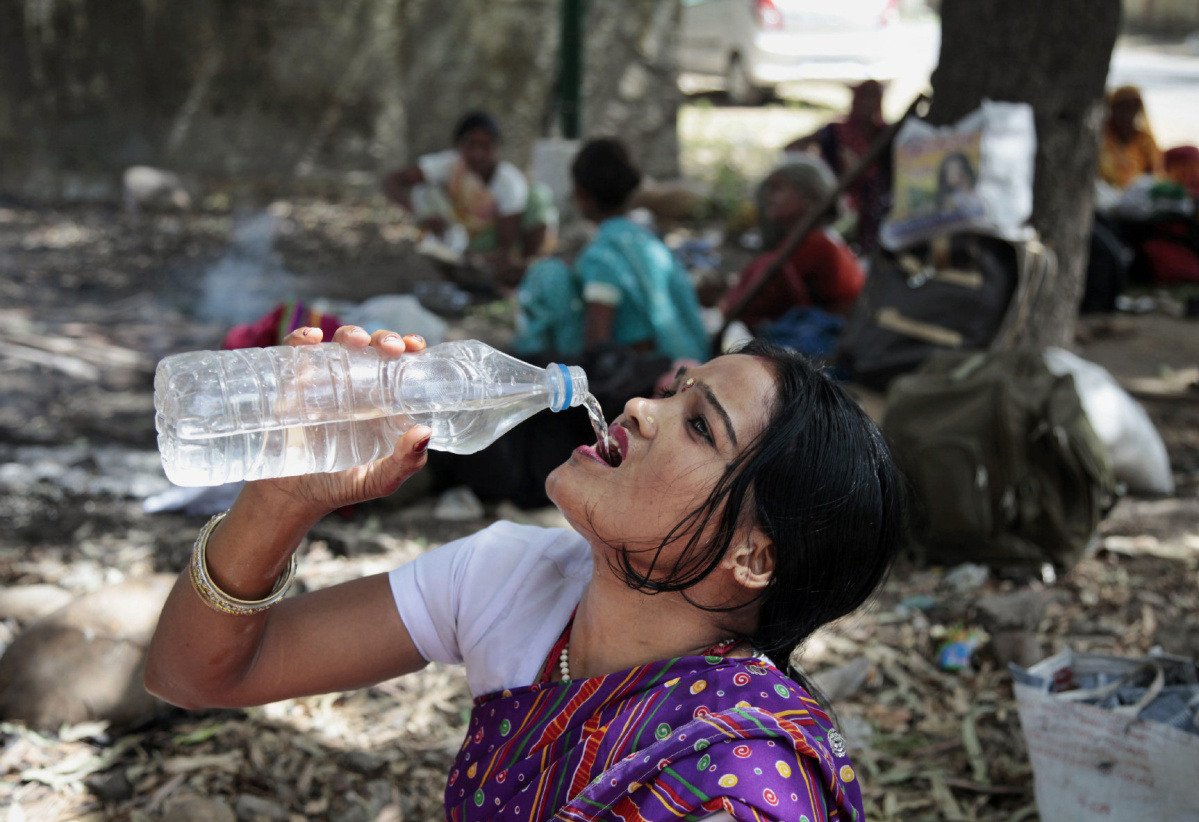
(1128, 148)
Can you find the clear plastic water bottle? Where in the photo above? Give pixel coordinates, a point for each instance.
(257, 413)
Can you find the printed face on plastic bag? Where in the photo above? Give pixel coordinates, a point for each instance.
(975, 176)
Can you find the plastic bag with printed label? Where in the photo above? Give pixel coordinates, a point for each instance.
(975, 176)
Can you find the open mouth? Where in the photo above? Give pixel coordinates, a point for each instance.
(614, 450)
(611, 453)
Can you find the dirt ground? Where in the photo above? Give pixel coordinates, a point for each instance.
(91, 299)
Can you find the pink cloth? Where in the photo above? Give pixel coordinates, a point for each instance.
(273, 328)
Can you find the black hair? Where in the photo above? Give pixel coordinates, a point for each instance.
(477, 120)
(820, 482)
(604, 169)
(943, 189)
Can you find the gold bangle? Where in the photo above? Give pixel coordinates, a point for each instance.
(217, 599)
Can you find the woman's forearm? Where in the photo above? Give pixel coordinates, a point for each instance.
(335, 639)
(199, 654)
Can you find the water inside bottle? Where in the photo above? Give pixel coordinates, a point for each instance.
(606, 447)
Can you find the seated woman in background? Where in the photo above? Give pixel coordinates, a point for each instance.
(821, 272)
(636, 667)
(1128, 149)
(1143, 231)
(469, 189)
(625, 288)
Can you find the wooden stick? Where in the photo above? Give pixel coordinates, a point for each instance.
(815, 214)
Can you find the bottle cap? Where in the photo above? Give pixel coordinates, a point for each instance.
(569, 386)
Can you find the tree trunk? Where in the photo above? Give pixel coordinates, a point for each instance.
(1053, 55)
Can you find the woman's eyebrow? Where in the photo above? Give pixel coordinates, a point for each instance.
(710, 396)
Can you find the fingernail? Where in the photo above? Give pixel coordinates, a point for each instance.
(391, 338)
(417, 337)
(420, 447)
(308, 332)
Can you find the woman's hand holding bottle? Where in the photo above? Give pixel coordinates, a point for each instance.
(312, 496)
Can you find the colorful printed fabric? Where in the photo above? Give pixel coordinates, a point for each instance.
(273, 328)
(682, 739)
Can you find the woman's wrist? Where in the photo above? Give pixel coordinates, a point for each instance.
(219, 600)
(249, 550)
(290, 511)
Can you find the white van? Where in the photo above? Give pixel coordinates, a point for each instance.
(755, 45)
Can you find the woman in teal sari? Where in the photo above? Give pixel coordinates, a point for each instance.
(635, 667)
(625, 288)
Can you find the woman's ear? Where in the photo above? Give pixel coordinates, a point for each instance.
(752, 560)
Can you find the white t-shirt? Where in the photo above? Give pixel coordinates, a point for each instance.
(507, 185)
(496, 601)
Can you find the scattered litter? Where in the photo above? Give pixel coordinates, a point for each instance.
(958, 648)
(966, 577)
(919, 602)
(698, 254)
(845, 680)
(752, 240)
(458, 504)
(1135, 305)
(153, 189)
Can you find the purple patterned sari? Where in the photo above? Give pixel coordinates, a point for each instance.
(674, 740)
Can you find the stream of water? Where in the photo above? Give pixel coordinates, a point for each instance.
(606, 447)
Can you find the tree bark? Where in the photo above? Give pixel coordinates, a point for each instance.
(1054, 55)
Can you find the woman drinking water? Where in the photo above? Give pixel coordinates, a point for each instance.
(635, 667)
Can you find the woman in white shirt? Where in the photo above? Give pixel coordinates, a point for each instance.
(470, 190)
(637, 667)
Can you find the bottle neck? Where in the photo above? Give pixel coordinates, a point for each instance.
(567, 386)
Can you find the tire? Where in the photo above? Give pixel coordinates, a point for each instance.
(739, 87)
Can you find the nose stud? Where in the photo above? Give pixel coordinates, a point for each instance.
(649, 419)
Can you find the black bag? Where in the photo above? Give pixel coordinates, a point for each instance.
(955, 293)
(1003, 462)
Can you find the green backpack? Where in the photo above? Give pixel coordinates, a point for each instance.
(1005, 468)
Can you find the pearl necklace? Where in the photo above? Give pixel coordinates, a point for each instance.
(564, 662)
(719, 649)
